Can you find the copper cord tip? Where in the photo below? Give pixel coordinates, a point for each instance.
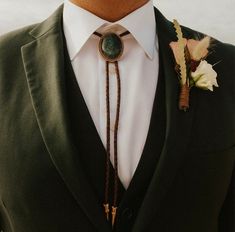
(114, 214)
(106, 211)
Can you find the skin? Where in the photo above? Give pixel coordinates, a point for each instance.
(110, 10)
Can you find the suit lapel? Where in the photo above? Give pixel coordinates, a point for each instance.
(178, 128)
(44, 66)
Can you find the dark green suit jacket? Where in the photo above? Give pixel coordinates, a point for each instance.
(42, 189)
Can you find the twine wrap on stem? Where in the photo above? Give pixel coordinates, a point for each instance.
(184, 97)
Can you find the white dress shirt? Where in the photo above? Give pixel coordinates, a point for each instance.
(138, 67)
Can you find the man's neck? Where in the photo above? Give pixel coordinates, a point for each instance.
(110, 10)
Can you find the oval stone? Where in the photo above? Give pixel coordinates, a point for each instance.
(111, 46)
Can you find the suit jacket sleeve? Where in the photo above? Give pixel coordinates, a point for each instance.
(4, 223)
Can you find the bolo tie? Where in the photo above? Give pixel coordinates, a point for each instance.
(111, 49)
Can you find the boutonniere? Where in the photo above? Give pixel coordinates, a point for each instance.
(191, 65)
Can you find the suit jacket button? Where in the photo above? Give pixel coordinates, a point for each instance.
(127, 214)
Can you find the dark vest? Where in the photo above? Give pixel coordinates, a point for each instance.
(92, 153)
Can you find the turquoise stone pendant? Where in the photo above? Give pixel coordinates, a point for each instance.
(111, 47)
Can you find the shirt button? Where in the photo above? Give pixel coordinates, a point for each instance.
(127, 214)
(112, 70)
(112, 127)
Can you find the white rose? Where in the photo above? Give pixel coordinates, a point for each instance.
(205, 76)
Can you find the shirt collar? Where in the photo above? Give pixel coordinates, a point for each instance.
(79, 24)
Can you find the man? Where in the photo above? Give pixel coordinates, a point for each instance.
(175, 169)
